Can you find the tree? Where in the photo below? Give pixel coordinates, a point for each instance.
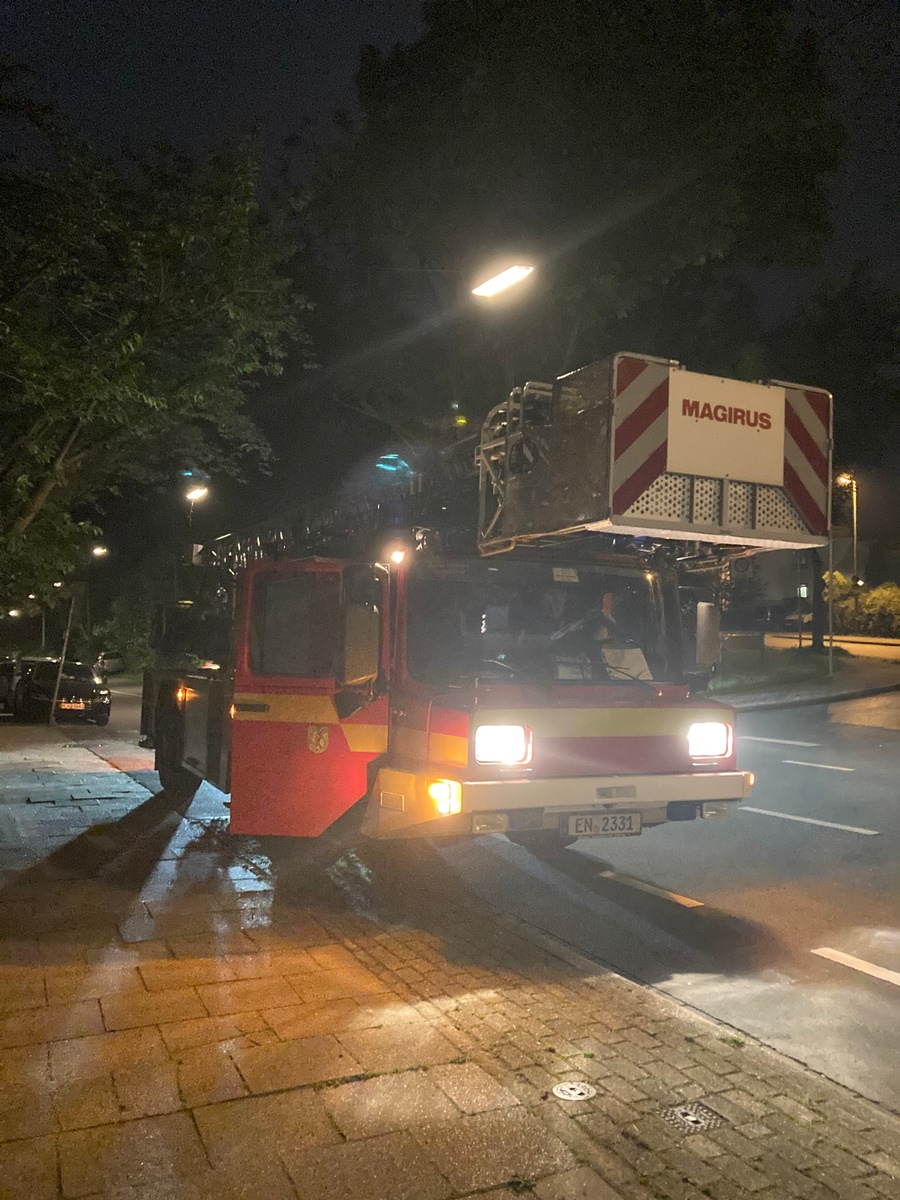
(137, 304)
(846, 338)
(129, 624)
(626, 144)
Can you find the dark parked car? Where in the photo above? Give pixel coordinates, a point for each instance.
(12, 670)
(82, 694)
(7, 683)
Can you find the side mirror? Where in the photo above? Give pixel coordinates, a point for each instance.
(709, 640)
(362, 642)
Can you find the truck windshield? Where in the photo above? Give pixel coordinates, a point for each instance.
(535, 622)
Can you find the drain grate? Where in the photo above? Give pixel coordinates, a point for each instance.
(574, 1090)
(693, 1118)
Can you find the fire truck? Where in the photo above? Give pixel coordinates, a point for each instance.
(490, 638)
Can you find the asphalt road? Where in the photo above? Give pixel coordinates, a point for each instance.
(783, 920)
(125, 710)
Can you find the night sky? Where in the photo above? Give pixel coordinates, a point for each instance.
(196, 72)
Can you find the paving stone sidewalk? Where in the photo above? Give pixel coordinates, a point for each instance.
(187, 1016)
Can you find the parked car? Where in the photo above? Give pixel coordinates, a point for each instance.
(12, 669)
(109, 662)
(82, 695)
(7, 682)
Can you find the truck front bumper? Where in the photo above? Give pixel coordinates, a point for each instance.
(400, 806)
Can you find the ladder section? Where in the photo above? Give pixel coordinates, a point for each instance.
(390, 495)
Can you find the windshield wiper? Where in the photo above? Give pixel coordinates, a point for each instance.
(623, 676)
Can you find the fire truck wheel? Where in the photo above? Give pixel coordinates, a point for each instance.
(540, 841)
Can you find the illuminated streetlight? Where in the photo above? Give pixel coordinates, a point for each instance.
(848, 480)
(196, 493)
(58, 583)
(506, 279)
(100, 551)
(15, 612)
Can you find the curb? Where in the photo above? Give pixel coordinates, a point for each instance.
(801, 701)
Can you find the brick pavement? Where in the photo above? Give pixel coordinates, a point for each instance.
(183, 1017)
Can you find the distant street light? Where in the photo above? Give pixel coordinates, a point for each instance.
(15, 612)
(100, 551)
(506, 279)
(58, 583)
(848, 480)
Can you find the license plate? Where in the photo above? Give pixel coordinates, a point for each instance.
(72, 704)
(618, 824)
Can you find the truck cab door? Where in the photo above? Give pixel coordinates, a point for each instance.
(310, 707)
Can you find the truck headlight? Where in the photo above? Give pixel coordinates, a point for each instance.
(505, 745)
(710, 739)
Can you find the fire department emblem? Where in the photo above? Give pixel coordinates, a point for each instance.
(317, 738)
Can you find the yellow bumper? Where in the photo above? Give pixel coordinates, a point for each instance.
(400, 806)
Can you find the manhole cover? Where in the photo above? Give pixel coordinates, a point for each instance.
(574, 1090)
(693, 1118)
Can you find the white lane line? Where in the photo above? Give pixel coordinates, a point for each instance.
(745, 737)
(793, 762)
(630, 881)
(767, 812)
(859, 964)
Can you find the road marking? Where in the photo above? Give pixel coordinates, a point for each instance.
(630, 881)
(793, 762)
(745, 737)
(859, 964)
(767, 812)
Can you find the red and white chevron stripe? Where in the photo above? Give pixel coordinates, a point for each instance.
(807, 432)
(640, 441)
(641, 444)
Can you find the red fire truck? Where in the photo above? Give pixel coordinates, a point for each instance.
(491, 641)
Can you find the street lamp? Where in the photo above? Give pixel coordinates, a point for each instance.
(195, 493)
(503, 280)
(98, 551)
(848, 480)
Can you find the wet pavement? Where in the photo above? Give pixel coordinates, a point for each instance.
(185, 1014)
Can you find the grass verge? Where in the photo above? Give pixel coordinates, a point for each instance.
(746, 670)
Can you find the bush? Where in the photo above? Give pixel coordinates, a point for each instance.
(873, 612)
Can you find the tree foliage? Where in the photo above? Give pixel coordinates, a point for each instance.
(624, 144)
(128, 626)
(846, 338)
(871, 611)
(136, 305)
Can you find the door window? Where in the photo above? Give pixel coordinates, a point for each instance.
(295, 624)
